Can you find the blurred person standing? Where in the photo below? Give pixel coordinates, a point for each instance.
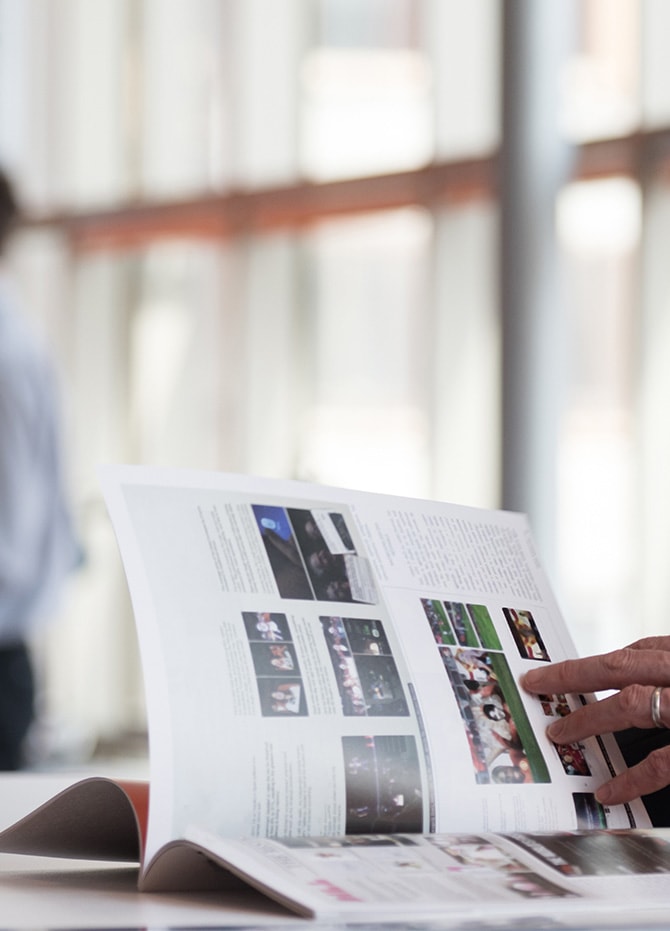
(37, 544)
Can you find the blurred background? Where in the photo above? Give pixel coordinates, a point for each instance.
(415, 246)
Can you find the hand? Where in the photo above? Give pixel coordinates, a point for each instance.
(635, 671)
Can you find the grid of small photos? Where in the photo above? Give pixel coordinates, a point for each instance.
(278, 677)
(502, 743)
(365, 671)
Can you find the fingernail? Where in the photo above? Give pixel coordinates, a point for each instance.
(527, 680)
(554, 730)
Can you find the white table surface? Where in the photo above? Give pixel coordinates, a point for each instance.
(42, 893)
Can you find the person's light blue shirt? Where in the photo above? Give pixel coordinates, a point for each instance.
(37, 543)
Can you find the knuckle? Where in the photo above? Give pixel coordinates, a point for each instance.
(618, 662)
(657, 767)
(632, 698)
(644, 643)
(564, 672)
(651, 643)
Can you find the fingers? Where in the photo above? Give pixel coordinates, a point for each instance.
(648, 776)
(641, 664)
(651, 643)
(631, 707)
(634, 672)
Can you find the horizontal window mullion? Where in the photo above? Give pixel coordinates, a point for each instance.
(239, 213)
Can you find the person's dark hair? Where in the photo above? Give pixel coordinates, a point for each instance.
(9, 209)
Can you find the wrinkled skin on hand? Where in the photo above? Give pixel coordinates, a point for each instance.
(634, 671)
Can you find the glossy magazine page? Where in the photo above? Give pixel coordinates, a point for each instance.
(324, 662)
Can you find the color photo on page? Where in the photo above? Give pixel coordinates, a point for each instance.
(527, 637)
(457, 624)
(312, 557)
(502, 743)
(472, 850)
(598, 852)
(281, 689)
(572, 756)
(366, 674)
(383, 785)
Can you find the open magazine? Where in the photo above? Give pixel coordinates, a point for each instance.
(334, 709)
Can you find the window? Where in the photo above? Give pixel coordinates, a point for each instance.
(265, 237)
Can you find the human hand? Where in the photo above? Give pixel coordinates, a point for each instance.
(640, 673)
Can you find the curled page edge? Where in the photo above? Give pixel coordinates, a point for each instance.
(94, 819)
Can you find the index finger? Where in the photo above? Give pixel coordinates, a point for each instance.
(615, 670)
(650, 643)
